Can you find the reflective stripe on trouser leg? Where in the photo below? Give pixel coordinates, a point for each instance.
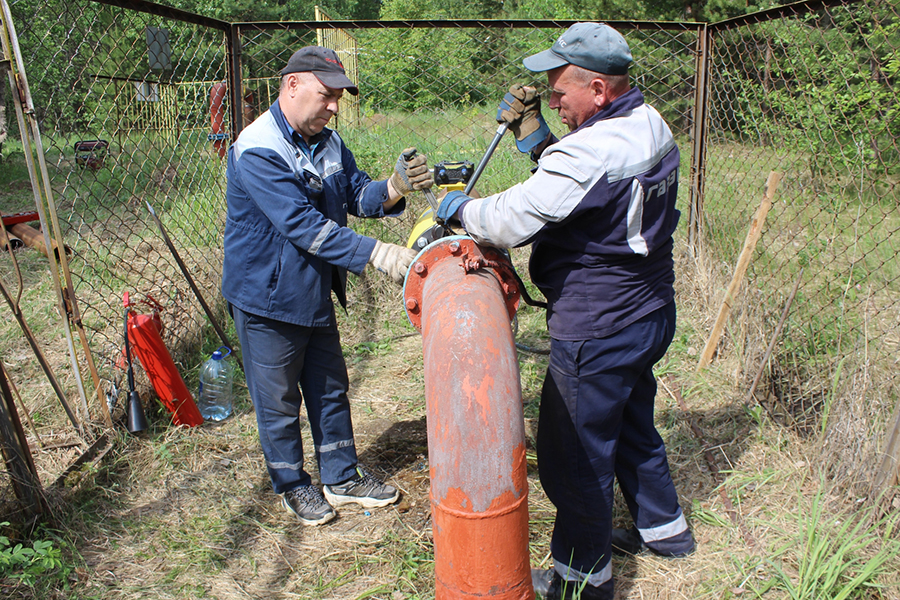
(595, 579)
(642, 466)
(588, 385)
(324, 384)
(274, 356)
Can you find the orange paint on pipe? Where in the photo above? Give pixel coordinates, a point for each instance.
(465, 297)
(217, 116)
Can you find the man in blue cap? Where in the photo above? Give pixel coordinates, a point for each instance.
(291, 184)
(600, 212)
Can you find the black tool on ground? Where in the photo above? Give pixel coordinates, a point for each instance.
(136, 420)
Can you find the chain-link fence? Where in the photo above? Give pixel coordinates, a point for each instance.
(140, 84)
(813, 94)
(805, 90)
(122, 98)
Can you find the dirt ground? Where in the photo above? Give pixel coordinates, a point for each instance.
(189, 513)
(180, 513)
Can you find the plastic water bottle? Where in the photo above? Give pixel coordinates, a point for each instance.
(216, 395)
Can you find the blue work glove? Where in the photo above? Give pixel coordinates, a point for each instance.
(450, 205)
(521, 109)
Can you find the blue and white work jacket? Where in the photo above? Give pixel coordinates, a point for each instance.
(287, 244)
(600, 212)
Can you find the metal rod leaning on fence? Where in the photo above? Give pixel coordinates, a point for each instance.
(31, 136)
(190, 280)
(29, 336)
(15, 391)
(16, 454)
(15, 303)
(889, 470)
(743, 262)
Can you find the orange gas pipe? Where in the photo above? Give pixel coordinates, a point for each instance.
(463, 298)
(217, 118)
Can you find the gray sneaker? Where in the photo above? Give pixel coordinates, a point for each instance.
(307, 504)
(364, 489)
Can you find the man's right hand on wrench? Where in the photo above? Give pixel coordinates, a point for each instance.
(521, 108)
(411, 173)
(451, 206)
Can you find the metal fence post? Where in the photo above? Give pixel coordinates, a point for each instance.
(235, 80)
(698, 136)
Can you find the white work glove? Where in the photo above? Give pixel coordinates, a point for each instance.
(392, 259)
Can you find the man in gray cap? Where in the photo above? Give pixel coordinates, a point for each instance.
(599, 212)
(291, 183)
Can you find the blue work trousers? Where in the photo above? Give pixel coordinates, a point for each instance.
(278, 357)
(596, 424)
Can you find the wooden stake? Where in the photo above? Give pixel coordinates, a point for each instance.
(753, 236)
(889, 469)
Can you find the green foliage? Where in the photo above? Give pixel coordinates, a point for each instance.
(419, 68)
(27, 563)
(783, 90)
(708, 517)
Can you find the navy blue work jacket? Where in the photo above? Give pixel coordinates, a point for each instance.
(287, 244)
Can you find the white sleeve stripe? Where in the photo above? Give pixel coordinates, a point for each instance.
(628, 171)
(511, 218)
(320, 239)
(635, 219)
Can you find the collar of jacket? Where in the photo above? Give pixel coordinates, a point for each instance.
(292, 136)
(630, 100)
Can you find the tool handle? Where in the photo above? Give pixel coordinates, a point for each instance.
(429, 195)
(501, 129)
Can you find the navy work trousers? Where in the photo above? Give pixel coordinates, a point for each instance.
(596, 424)
(278, 357)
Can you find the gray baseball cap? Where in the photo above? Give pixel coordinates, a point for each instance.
(593, 46)
(324, 64)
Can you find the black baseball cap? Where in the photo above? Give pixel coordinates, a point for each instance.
(593, 46)
(324, 64)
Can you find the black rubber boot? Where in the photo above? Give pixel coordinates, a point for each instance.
(626, 541)
(550, 586)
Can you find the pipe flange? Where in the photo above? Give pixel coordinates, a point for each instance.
(471, 257)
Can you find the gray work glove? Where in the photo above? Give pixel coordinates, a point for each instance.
(411, 173)
(521, 108)
(392, 259)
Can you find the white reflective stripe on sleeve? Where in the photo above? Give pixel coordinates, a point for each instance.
(576, 577)
(334, 446)
(654, 534)
(635, 219)
(284, 465)
(320, 239)
(513, 217)
(634, 169)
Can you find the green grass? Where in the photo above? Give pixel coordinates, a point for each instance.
(837, 556)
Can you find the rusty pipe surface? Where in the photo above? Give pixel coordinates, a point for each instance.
(33, 238)
(463, 298)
